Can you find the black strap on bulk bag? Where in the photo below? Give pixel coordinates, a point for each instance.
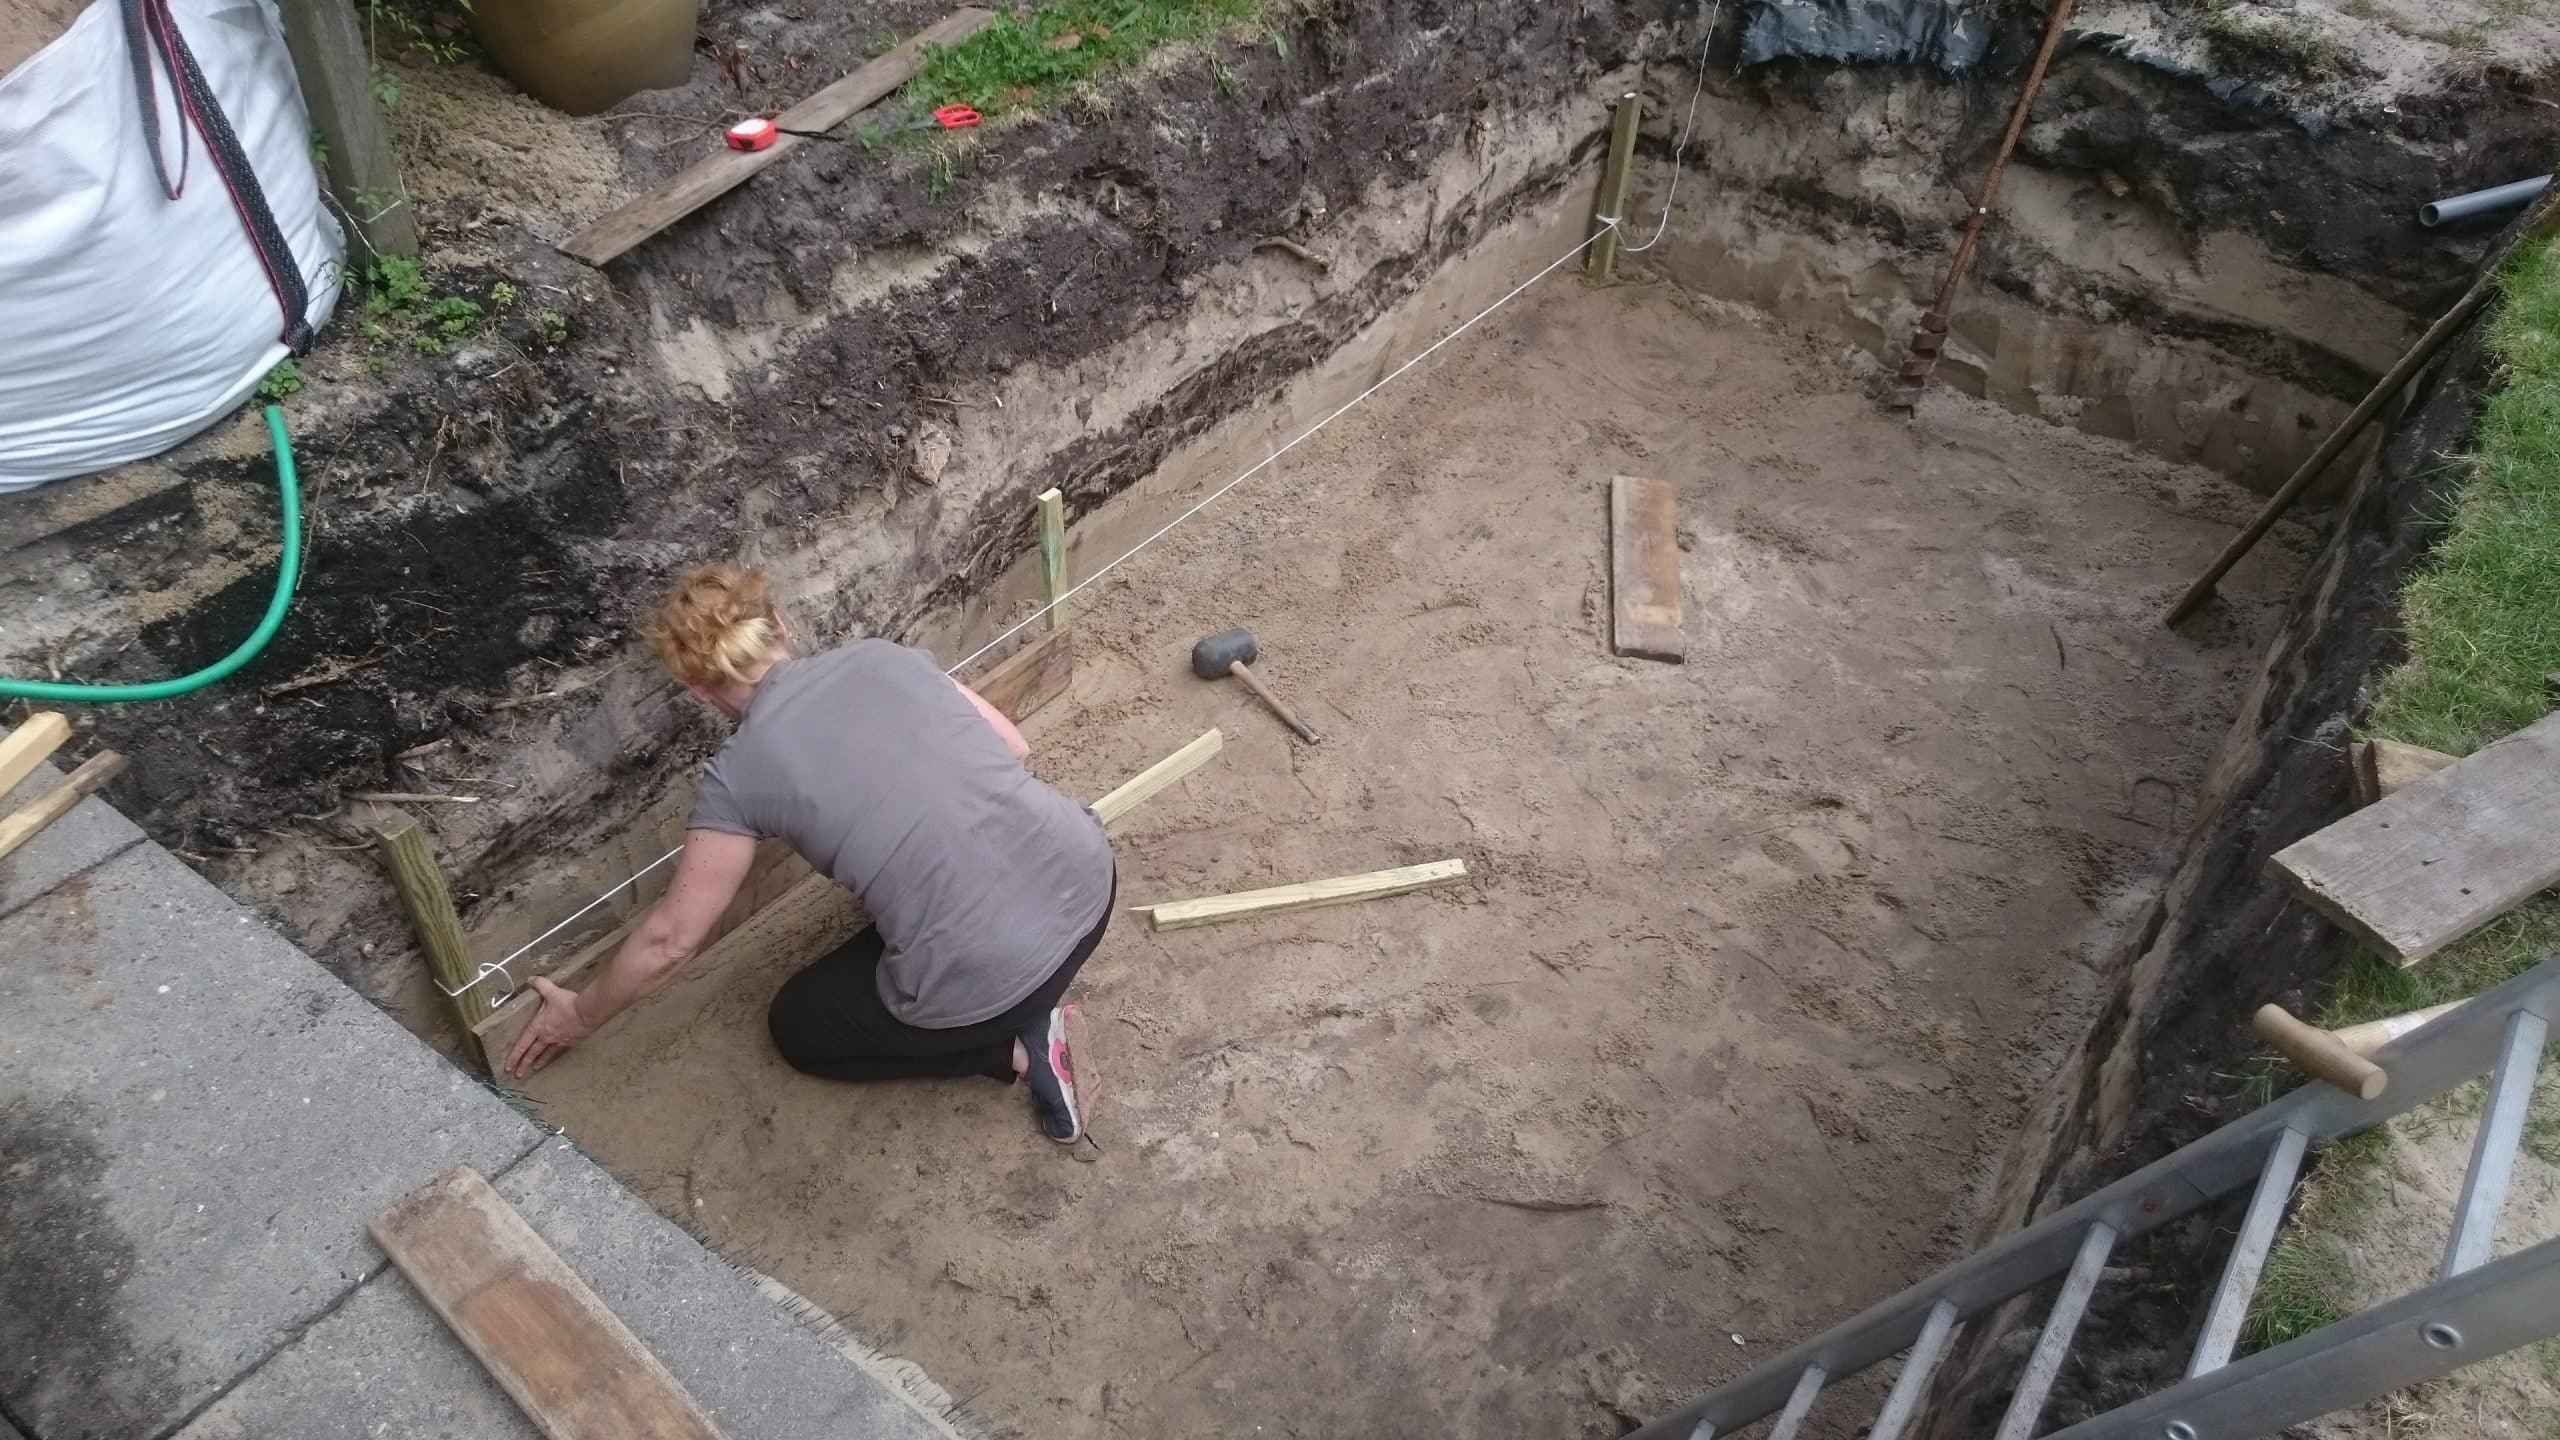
(149, 26)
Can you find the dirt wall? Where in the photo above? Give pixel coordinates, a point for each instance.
(2155, 1071)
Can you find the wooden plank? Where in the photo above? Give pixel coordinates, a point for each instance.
(1031, 677)
(26, 746)
(1279, 899)
(2383, 768)
(574, 1368)
(30, 820)
(776, 870)
(1644, 569)
(329, 59)
(2412, 874)
(1156, 778)
(724, 170)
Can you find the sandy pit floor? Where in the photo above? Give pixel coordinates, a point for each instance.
(1765, 952)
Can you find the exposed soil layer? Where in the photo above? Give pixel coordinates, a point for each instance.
(485, 521)
(2161, 1064)
(1804, 917)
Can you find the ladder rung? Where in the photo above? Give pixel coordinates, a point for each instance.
(1913, 1382)
(2493, 1153)
(2044, 1366)
(1799, 1404)
(2248, 1255)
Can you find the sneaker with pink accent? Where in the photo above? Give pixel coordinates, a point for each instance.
(1052, 1078)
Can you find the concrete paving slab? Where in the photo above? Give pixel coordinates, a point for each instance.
(195, 1121)
(92, 832)
(384, 1365)
(754, 1369)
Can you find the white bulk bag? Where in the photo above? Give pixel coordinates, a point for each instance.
(128, 320)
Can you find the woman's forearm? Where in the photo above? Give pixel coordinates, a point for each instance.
(640, 964)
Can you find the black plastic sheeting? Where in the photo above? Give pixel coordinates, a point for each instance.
(1893, 32)
(1956, 38)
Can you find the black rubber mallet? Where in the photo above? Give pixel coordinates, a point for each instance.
(1229, 652)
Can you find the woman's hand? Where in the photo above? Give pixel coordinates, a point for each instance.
(554, 1028)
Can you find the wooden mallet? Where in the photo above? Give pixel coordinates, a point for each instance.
(1230, 652)
(2319, 1053)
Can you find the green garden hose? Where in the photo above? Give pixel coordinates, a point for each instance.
(288, 570)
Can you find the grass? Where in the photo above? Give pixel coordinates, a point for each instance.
(2482, 622)
(2479, 616)
(1024, 62)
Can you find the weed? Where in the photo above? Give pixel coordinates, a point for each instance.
(284, 380)
(554, 326)
(396, 32)
(1022, 62)
(502, 294)
(393, 285)
(453, 317)
(319, 152)
(944, 175)
(377, 365)
(1229, 83)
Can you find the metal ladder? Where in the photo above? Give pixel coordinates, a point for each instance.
(2476, 1308)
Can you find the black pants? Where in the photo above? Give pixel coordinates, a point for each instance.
(828, 1019)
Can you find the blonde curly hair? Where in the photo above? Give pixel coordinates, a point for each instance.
(716, 625)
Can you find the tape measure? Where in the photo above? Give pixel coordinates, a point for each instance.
(753, 133)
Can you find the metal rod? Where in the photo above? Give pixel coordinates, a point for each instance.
(2482, 202)
(2044, 1366)
(2451, 322)
(2493, 1151)
(1799, 1404)
(1904, 1401)
(1936, 319)
(2231, 1298)
(2421, 1335)
(1611, 206)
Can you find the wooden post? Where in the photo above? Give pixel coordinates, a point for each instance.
(337, 86)
(414, 873)
(1053, 555)
(1611, 207)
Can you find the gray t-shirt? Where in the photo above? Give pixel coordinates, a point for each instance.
(882, 774)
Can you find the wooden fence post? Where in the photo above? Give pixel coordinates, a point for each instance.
(1053, 555)
(337, 85)
(1609, 212)
(423, 893)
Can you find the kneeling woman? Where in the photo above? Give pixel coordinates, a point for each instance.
(987, 888)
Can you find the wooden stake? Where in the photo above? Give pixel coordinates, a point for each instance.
(1157, 778)
(25, 825)
(25, 747)
(1610, 209)
(2319, 1053)
(1053, 555)
(337, 84)
(1377, 884)
(2382, 768)
(411, 862)
(575, 1368)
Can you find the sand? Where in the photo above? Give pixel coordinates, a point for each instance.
(1764, 952)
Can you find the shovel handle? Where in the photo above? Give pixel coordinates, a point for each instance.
(1254, 683)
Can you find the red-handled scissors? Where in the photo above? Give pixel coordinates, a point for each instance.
(948, 117)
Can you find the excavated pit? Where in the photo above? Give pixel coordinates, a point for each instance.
(1768, 951)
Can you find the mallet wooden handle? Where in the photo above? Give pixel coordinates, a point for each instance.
(2319, 1053)
(2372, 1035)
(1254, 683)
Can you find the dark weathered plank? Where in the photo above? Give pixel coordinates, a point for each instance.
(1644, 569)
(2415, 872)
(575, 1368)
(1030, 677)
(724, 170)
